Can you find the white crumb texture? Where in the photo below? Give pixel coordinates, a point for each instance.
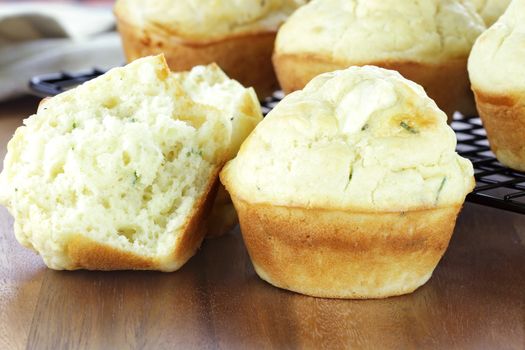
(497, 61)
(124, 159)
(371, 31)
(363, 139)
(490, 10)
(208, 19)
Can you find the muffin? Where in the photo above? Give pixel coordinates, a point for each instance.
(427, 41)
(120, 172)
(497, 71)
(349, 188)
(237, 35)
(490, 10)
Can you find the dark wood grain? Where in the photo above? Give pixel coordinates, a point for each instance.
(475, 300)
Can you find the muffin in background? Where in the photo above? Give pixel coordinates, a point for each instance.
(349, 188)
(497, 71)
(427, 41)
(237, 35)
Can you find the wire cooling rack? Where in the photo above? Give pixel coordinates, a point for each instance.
(54, 83)
(496, 185)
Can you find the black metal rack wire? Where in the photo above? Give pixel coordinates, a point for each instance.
(55, 83)
(496, 185)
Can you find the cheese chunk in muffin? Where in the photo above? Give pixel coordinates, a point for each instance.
(119, 173)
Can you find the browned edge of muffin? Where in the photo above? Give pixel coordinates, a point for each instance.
(345, 254)
(503, 117)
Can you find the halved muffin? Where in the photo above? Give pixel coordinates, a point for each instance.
(120, 172)
(349, 188)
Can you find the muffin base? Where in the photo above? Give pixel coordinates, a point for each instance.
(246, 58)
(504, 120)
(86, 253)
(447, 83)
(343, 254)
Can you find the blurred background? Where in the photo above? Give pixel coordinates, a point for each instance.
(38, 37)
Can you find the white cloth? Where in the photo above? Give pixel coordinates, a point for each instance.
(38, 38)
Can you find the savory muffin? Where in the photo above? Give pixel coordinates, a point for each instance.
(497, 72)
(120, 172)
(427, 41)
(237, 35)
(349, 188)
(490, 10)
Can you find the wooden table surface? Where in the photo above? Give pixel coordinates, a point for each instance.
(475, 300)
